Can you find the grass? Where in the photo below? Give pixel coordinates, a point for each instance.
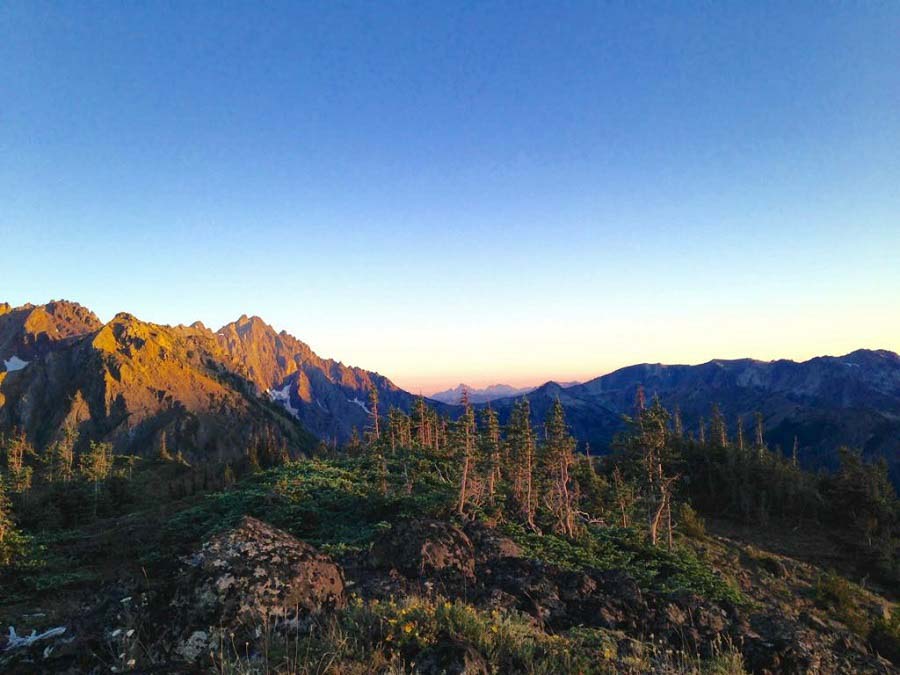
(392, 636)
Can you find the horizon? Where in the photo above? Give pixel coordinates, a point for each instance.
(524, 382)
(446, 193)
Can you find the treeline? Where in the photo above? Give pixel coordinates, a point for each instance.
(725, 471)
(73, 481)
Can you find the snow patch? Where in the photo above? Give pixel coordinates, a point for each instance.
(15, 641)
(360, 404)
(14, 363)
(283, 396)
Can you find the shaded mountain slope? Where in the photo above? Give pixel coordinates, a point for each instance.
(825, 402)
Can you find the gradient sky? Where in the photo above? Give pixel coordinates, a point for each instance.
(455, 191)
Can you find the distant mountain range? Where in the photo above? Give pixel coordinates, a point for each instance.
(210, 394)
(490, 393)
(825, 402)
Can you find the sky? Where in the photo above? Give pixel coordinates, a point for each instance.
(471, 192)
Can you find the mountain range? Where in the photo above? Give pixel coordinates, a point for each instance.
(492, 392)
(208, 394)
(825, 402)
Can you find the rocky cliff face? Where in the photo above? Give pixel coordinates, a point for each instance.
(133, 383)
(326, 396)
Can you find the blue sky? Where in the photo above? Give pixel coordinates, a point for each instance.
(455, 191)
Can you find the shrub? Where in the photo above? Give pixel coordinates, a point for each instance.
(691, 523)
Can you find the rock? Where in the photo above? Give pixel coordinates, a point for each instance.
(450, 656)
(250, 576)
(425, 549)
(490, 544)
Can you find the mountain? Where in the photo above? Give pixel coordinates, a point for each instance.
(490, 393)
(825, 402)
(131, 383)
(327, 397)
(210, 393)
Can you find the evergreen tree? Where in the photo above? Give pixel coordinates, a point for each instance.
(464, 443)
(520, 458)
(489, 442)
(63, 455)
(162, 450)
(718, 429)
(96, 465)
(648, 444)
(373, 409)
(6, 524)
(758, 432)
(17, 450)
(557, 458)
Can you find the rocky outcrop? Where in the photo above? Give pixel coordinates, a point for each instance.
(251, 576)
(426, 549)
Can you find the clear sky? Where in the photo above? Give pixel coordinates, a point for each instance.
(463, 191)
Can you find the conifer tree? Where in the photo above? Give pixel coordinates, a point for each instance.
(6, 518)
(490, 450)
(63, 455)
(373, 408)
(648, 442)
(465, 446)
(624, 495)
(520, 456)
(718, 429)
(17, 449)
(96, 465)
(760, 444)
(420, 423)
(557, 458)
(678, 427)
(163, 448)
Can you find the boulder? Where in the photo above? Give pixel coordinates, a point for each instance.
(251, 576)
(426, 549)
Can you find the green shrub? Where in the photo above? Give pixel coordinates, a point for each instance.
(691, 523)
(837, 595)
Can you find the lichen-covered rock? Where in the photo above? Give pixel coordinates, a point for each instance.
(251, 576)
(425, 549)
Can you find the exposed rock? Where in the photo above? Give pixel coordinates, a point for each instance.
(252, 575)
(426, 548)
(490, 544)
